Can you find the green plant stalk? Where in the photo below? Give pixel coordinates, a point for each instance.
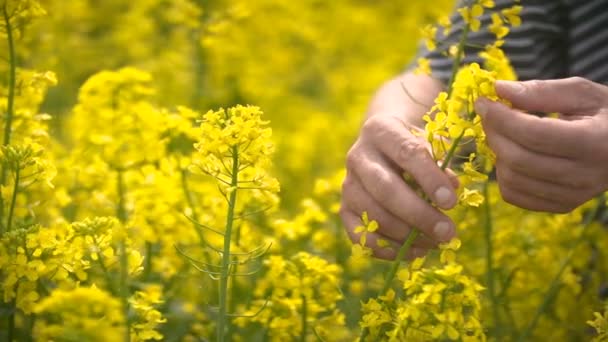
(13, 305)
(554, 286)
(400, 256)
(121, 213)
(10, 112)
(148, 261)
(190, 202)
(11, 81)
(488, 227)
(106, 273)
(233, 289)
(11, 211)
(414, 233)
(223, 323)
(304, 319)
(11, 320)
(10, 107)
(458, 59)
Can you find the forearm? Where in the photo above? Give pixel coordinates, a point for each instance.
(392, 99)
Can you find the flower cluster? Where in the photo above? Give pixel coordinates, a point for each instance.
(81, 314)
(300, 297)
(439, 303)
(122, 216)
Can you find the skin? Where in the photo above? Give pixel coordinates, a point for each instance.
(547, 164)
(384, 150)
(543, 164)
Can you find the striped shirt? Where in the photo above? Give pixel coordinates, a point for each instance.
(557, 39)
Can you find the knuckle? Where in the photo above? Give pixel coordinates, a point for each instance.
(591, 98)
(373, 125)
(508, 194)
(353, 158)
(411, 149)
(534, 86)
(380, 188)
(515, 161)
(581, 84)
(505, 176)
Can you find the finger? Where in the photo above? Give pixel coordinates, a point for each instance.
(531, 202)
(453, 178)
(568, 196)
(388, 188)
(533, 164)
(358, 200)
(573, 95)
(411, 154)
(351, 220)
(544, 135)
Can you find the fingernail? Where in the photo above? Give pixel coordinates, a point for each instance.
(442, 231)
(481, 107)
(444, 197)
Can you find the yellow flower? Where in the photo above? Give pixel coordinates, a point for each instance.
(367, 226)
(429, 34)
(424, 67)
(471, 15)
(513, 15)
(497, 27)
(85, 313)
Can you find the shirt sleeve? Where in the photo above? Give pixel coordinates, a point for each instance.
(537, 48)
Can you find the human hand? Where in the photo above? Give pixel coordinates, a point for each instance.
(375, 163)
(549, 164)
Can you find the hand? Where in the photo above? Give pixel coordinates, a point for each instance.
(384, 150)
(549, 164)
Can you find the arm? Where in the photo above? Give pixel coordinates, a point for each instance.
(384, 150)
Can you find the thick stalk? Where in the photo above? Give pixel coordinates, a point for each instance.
(458, 58)
(412, 236)
(304, 319)
(190, 201)
(490, 262)
(555, 283)
(11, 80)
(11, 211)
(10, 107)
(223, 321)
(414, 233)
(121, 213)
(11, 320)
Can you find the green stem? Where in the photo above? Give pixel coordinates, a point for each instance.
(458, 58)
(555, 283)
(223, 322)
(489, 260)
(191, 204)
(304, 319)
(10, 107)
(11, 210)
(121, 213)
(11, 320)
(104, 269)
(413, 234)
(148, 261)
(400, 256)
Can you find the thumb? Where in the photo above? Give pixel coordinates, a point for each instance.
(573, 95)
